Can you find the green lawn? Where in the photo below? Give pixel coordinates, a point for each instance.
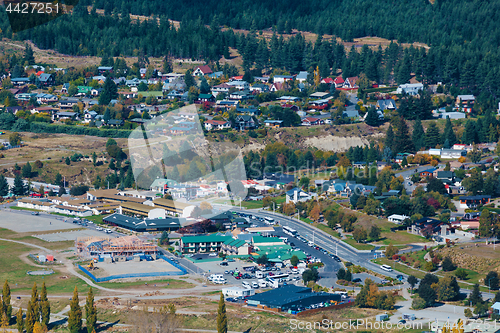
(258, 203)
(400, 237)
(96, 218)
(22, 208)
(399, 267)
(327, 229)
(359, 246)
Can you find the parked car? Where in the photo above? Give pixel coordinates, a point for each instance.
(35, 213)
(213, 254)
(356, 280)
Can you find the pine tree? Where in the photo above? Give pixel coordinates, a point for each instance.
(20, 320)
(449, 134)
(30, 318)
(221, 316)
(19, 188)
(90, 312)
(402, 140)
(418, 134)
(372, 117)
(4, 186)
(75, 314)
(26, 170)
(389, 137)
(44, 307)
(432, 136)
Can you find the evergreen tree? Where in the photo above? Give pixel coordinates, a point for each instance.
(188, 79)
(28, 55)
(221, 316)
(475, 296)
(204, 86)
(26, 170)
(6, 300)
(432, 136)
(402, 140)
(418, 134)
(90, 312)
(67, 161)
(75, 314)
(4, 186)
(110, 91)
(449, 136)
(19, 187)
(372, 117)
(20, 320)
(389, 137)
(44, 307)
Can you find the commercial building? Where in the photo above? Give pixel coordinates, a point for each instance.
(290, 297)
(174, 208)
(395, 218)
(143, 225)
(237, 292)
(203, 244)
(137, 209)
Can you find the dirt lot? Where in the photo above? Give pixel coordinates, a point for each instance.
(131, 267)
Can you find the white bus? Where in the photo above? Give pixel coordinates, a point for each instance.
(386, 268)
(269, 220)
(289, 231)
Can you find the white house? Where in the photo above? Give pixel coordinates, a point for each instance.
(240, 85)
(410, 88)
(395, 218)
(238, 292)
(216, 125)
(297, 195)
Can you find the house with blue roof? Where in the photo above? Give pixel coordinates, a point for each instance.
(427, 173)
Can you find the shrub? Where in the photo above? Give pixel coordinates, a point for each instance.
(417, 264)
(418, 303)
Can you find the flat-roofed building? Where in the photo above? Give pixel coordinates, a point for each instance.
(138, 209)
(174, 208)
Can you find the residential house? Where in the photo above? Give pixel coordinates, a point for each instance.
(276, 86)
(273, 123)
(216, 125)
(319, 104)
(474, 200)
(278, 180)
(20, 81)
(351, 82)
(328, 81)
(259, 88)
(64, 115)
(350, 114)
(13, 109)
(221, 88)
(410, 88)
(240, 95)
(339, 82)
(311, 121)
(99, 78)
(46, 98)
(188, 115)
(202, 70)
(64, 89)
(142, 72)
(249, 111)
(244, 122)
(104, 69)
(445, 175)
(297, 195)
(43, 109)
(133, 82)
(282, 78)
(215, 75)
(240, 85)
(465, 102)
(115, 122)
(386, 104)
(84, 90)
(89, 116)
(320, 95)
(46, 80)
(202, 98)
(395, 218)
(227, 104)
(427, 173)
(95, 92)
(426, 226)
(175, 94)
(302, 76)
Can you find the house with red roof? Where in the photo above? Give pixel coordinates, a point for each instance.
(276, 87)
(351, 82)
(216, 125)
(327, 80)
(202, 70)
(312, 121)
(339, 82)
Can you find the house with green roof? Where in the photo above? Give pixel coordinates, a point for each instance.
(236, 247)
(156, 94)
(84, 90)
(203, 243)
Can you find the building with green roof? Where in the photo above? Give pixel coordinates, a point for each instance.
(266, 241)
(236, 247)
(203, 244)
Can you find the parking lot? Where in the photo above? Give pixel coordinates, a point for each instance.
(70, 235)
(23, 221)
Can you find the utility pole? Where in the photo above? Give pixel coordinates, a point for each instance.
(64, 182)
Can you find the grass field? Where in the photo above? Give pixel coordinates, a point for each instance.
(359, 246)
(258, 203)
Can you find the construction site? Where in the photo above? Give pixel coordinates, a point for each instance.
(114, 249)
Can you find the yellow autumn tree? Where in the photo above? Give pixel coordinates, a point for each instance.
(37, 328)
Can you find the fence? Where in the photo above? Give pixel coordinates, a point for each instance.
(137, 275)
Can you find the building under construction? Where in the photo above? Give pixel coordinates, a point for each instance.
(115, 247)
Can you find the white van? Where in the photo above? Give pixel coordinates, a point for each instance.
(214, 277)
(219, 281)
(259, 275)
(262, 283)
(310, 243)
(386, 268)
(246, 285)
(255, 285)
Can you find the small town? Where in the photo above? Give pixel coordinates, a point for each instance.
(249, 167)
